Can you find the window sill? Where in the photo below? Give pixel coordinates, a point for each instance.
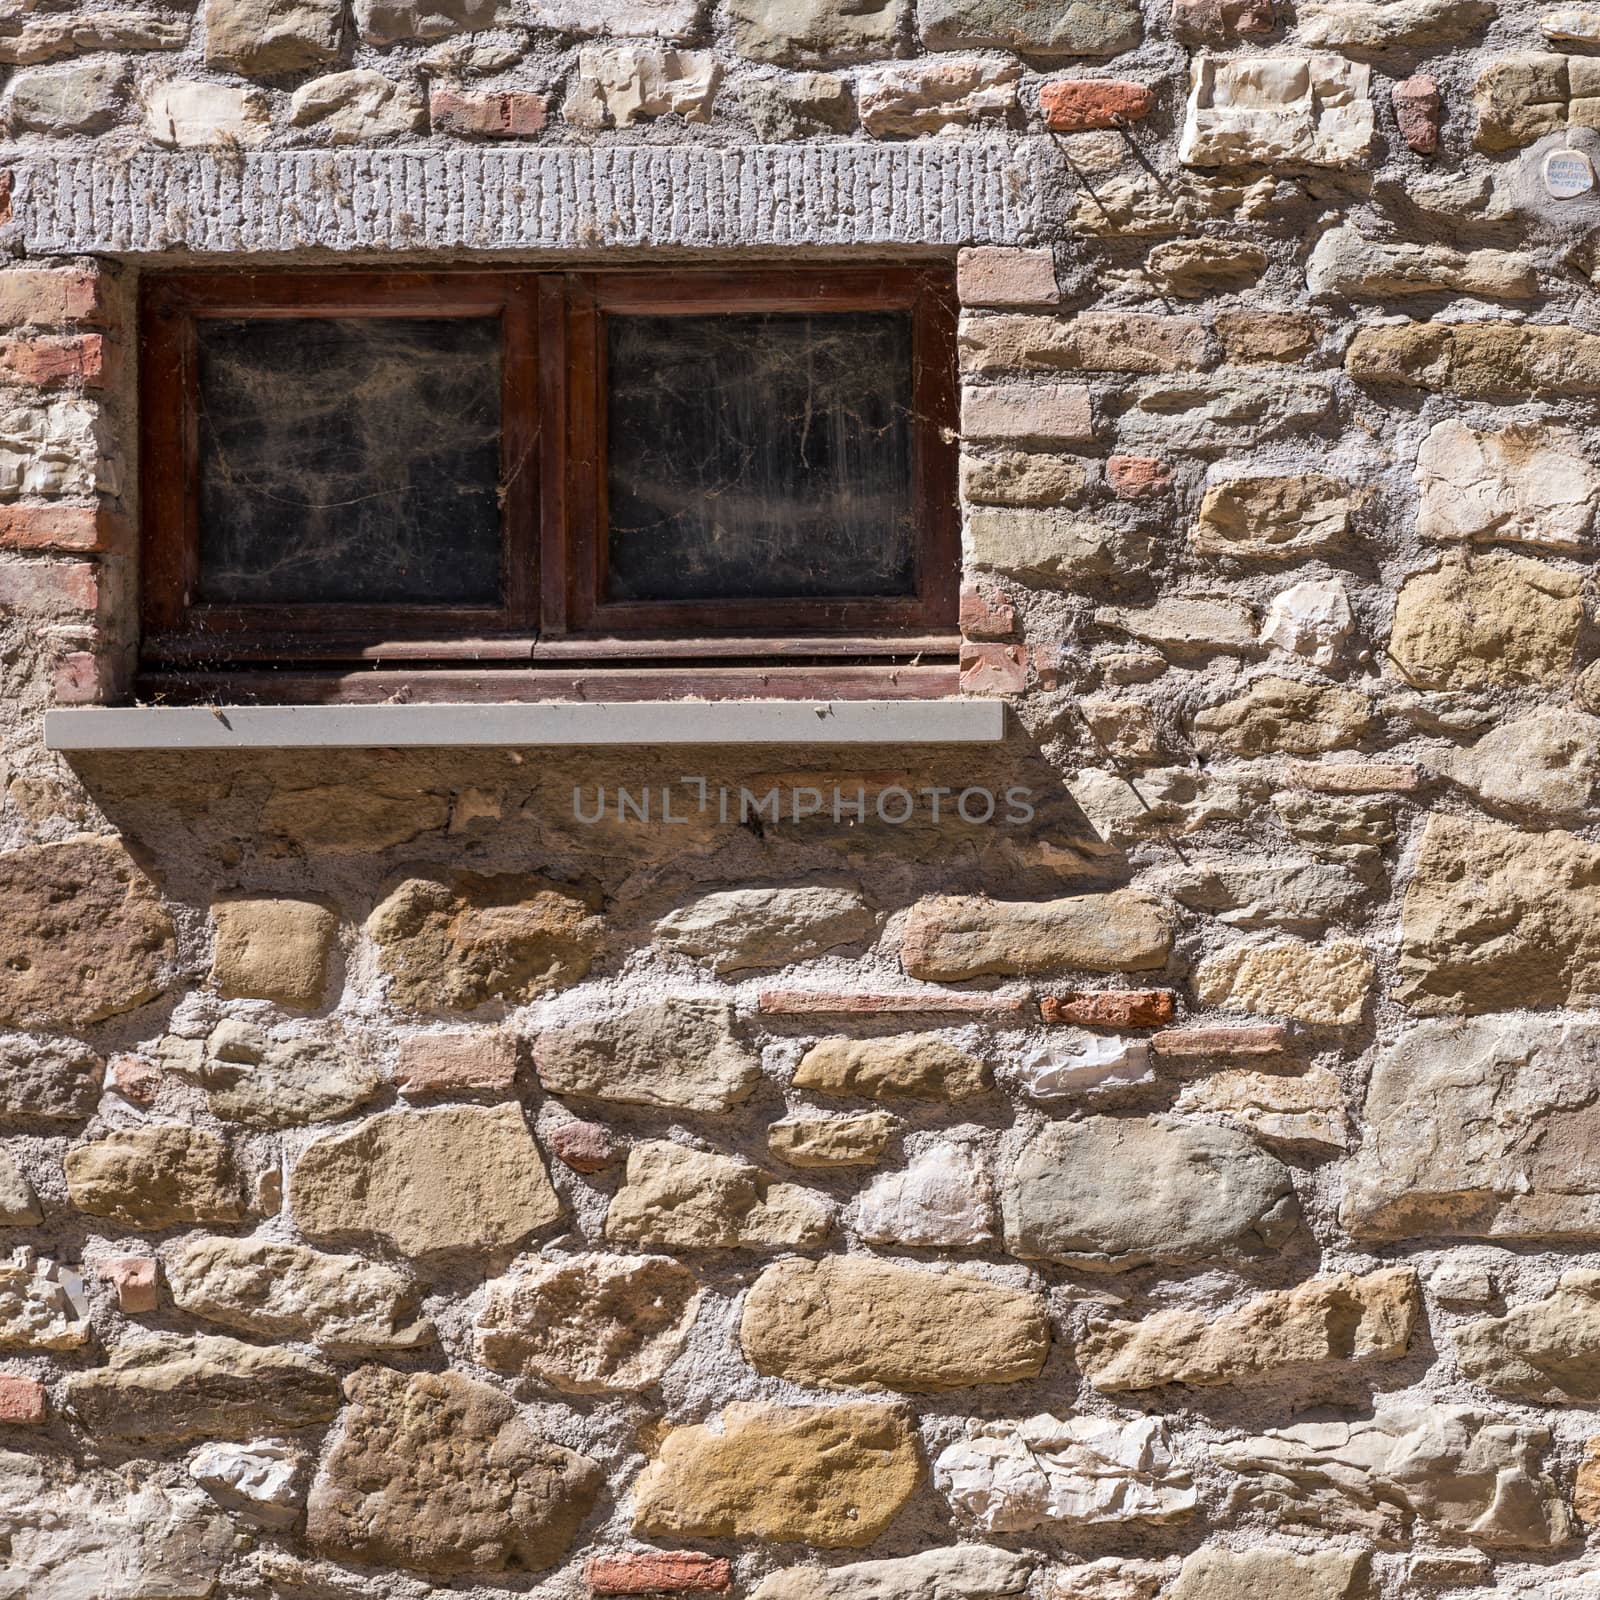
(638, 722)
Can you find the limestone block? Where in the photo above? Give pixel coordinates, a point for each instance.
(262, 1483)
(284, 1291)
(914, 1066)
(679, 1052)
(1510, 1147)
(1387, 24)
(830, 1476)
(1311, 620)
(1305, 1112)
(858, 1322)
(1345, 263)
(814, 32)
(1108, 1194)
(186, 114)
(1546, 1350)
(944, 1198)
(618, 85)
(1340, 1318)
(905, 98)
(1072, 1062)
(591, 1323)
(1078, 28)
(667, 19)
(77, 97)
(735, 930)
(54, 447)
(953, 937)
(1205, 412)
(677, 1198)
(1013, 1477)
(1499, 620)
(462, 1179)
(270, 38)
(1214, 1573)
(354, 107)
(1313, 109)
(1165, 798)
(1546, 765)
(42, 1305)
(959, 1572)
(266, 1082)
(1326, 985)
(1284, 716)
(1523, 482)
(855, 1140)
(165, 1390)
(273, 948)
(1450, 1469)
(1249, 891)
(1182, 624)
(19, 1205)
(1272, 517)
(798, 105)
(385, 22)
(1044, 545)
(436, 1473)
(154, 1176)
(454, 944)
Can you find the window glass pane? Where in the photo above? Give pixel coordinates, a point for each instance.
(350, 460)
(759, 456)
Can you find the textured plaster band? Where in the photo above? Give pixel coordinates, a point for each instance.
(637, 722)
(959, 192)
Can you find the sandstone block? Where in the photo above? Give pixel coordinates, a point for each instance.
(465, 1178)
(1586, 1486)
(1546, 765)
(618, 85)
(1527, 483)
(1372, 821)
(991, 275)
(76, 97)
(1247, 891)
(1312, 109)
(1033, 545)
(677, 1198)
(268, 1082)
(1452, 1469)
(855, 1140)
(1302, 1113)
(679, 1052)
(658, 1572)
(1272, 518)
(1197, 268)
(271, 948)
(1257, 336)
(461, 1061)
(185, 114)
(1073, 105)
(284, 1291)
(384, 22)
(270, 38)
(1345, 263)
(953, 937)
(163, 1391)
(1546, 1350)
(1283, 715)
(1045, 1471)
(33, 296)
(906, 98)
(352, 107)
(857, 1322)
(353, 818)
(42, 1305)
(1218, 1574)
(1479, 360)
(1077, 29)
(1376, 25)
(915, 1066)
(1019, 478)
(1339, 1318)
(1108, 1194)
(961, 1572)
(814, 32)
(1326, 985)
(1520, 97)
(436, 1473)
(944, 1198)
(830, 1476)
(155, 1176)
(738, 929)
(1039, 415)
(1091, 341)
(798, 105)
(1184, 624)
(84, 936)
(589, 1324)
(456, 944)
(1209, 412)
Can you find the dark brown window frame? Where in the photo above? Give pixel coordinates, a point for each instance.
(553, 478)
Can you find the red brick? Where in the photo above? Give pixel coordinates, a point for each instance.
(1265, 1039)
(819, 1002)
(42, 296)
(5, 197)
(1353, 777)
(22, 1401)
(50, 586)
(1110, 1008)
(1138, 477)
(1074, 105)
(134, 1279)
(994, 668)
(46, 363)
(985, 615)
(583, 1146)
(498, 114)
(134, 1078)
(658, 1572)
(466, 1060)
(1416, 110)
(77, 679)
(60, 527)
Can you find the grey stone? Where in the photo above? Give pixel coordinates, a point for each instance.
(19, 1205)
(1111, 1194)
(77, 97)
(679, 1052)
(1261, 892)
(1546, 764)
(1076, 28)
(1215, 1573)
(352, 107)
(1181, 623)
(1546, 1350)
(403, 21)
(814, 32)
(736, 929)
(961, 1572)
(54, 1081)
(42, 1305)
(798, 105)
(1345, 263)
(1036, 545)
(263, 1082)
(1205, 412)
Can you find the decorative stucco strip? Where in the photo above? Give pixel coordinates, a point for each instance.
(962, 192)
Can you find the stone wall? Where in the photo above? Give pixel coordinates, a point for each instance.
(1183, 1183)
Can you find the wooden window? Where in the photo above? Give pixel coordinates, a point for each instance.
(548, 469)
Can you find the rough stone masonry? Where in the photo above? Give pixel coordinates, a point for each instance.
(1192, 1193)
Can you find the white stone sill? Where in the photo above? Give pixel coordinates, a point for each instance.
(621, 723)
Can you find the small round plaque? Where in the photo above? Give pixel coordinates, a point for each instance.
(1567, 174)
